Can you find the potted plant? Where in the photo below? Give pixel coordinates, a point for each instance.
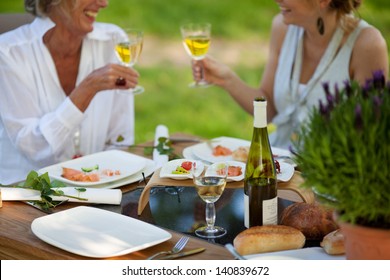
(343, 152)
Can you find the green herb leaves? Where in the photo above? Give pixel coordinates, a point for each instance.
(164, 147)
(47, 189)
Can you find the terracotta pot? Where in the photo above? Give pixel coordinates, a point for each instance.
(365, 243)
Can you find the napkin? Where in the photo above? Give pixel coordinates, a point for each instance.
(106, 196)
(160, 160)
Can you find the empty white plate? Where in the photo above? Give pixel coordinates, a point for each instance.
(97, 233)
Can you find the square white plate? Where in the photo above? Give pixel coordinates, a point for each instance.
(212, 170)
(286, 171)
(204, 152)
(97, 233)
(170, 166)
(147, 170)
(127, 163)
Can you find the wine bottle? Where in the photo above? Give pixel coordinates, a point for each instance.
(260, 183)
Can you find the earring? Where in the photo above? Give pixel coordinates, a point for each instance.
(320, 25)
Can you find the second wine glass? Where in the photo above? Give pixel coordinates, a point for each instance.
(196, 41)
(129, 49)
(210, 188)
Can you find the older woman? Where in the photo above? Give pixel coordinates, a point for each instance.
(62, 88)
(312, 41)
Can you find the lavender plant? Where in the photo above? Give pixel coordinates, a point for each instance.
(344, 151)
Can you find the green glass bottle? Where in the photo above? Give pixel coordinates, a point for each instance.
(260, 183)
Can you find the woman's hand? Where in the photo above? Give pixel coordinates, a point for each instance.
(214, 72)
(109, 77)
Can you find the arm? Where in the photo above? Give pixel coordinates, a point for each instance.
(369, 55)
(221, 75)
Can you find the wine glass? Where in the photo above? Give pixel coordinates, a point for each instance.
(196, 41)
(129, 49)
(210, 188)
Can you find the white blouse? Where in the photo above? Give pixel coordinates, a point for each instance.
(37, 120)
(294, 102)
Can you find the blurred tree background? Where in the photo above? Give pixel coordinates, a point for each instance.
(240, 38)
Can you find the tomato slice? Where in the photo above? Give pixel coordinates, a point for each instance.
(187, 165)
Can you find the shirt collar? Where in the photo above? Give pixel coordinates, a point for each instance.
(43, 24)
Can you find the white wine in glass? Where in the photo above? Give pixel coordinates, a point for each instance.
(129, 49)
(196, 41)
(210, 189)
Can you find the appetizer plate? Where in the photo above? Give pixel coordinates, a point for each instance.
(212, 170)
(170, 166)
(204, 150)
(147, 170)
(97, 233)
(312, 253)
(286, 171)
(127, 163)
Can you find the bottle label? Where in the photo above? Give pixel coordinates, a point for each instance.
(246, 211)
(270, 211)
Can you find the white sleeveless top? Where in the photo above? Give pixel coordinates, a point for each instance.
(293, 101)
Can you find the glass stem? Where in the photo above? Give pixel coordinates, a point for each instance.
(210, 215)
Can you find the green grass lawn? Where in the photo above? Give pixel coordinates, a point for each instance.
(167, 100)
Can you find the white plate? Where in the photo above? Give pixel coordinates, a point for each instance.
(286, 171)
(127, 163)
(211, 170)
(166, 170)
(204, 151)
(147, 170)
(312, 253)
(97, 233)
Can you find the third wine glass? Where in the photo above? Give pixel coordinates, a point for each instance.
(210, 188)
(196, 41)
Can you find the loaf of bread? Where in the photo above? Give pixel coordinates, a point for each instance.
(333, 243)
(268, 238)
(313, 220)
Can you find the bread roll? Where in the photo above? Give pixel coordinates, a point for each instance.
(269, 238)
(333, 243)
(313, 220)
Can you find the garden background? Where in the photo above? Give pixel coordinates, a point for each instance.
(240, 35)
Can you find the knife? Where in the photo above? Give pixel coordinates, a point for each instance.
(183, 254)
(37, 206)
(184, 139)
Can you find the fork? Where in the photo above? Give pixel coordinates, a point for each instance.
(176, 249)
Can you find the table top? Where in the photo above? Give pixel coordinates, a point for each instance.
(17, 241)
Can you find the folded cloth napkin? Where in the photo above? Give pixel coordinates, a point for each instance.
(105, 196)
(160, 160)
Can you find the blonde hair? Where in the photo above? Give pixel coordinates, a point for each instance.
(42, 8)
(346, 9)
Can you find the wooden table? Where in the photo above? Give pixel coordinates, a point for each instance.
(17, 241)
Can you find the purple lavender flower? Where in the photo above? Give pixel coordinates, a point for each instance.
(358, 117)
(378, 79)
(348, 88)
(337, 93)
(325, 86)
(323, 109)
